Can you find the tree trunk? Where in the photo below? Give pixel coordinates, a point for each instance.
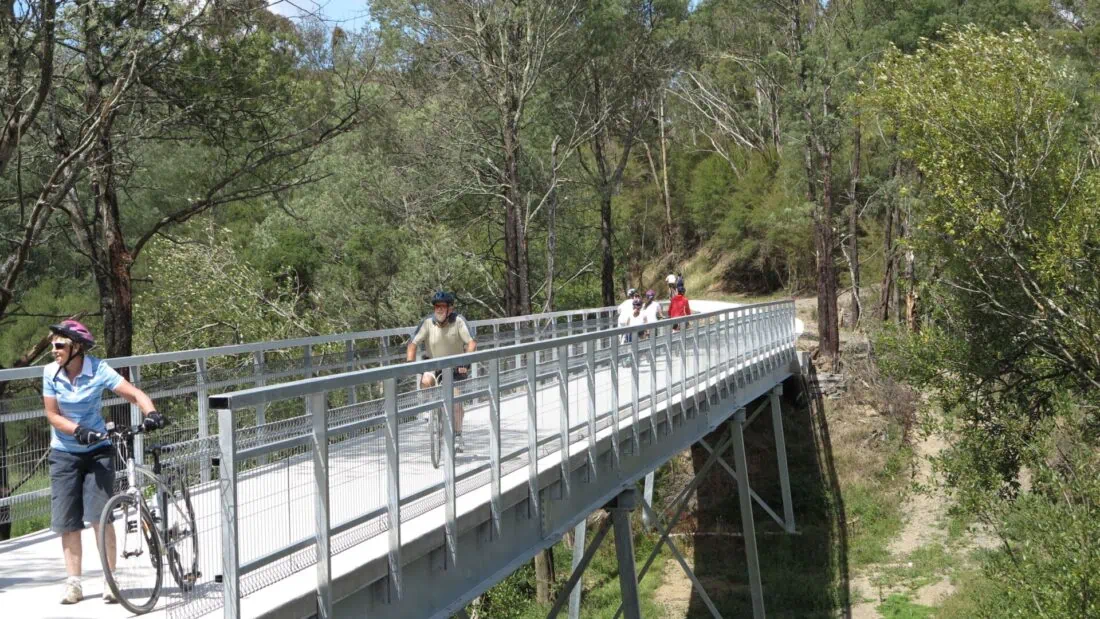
(607, 273)
(888, 266)
(551, 230)
(513, 228)
(544, 575)
(853, 227)
(912, 311)
(670, 229)
(827, 319)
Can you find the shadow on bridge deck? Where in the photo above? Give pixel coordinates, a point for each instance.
(804, 575)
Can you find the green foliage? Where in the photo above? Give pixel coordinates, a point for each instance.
(899, 606)
(1008, 221)
(206, 295)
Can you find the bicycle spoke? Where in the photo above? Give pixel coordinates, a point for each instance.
(138, 559)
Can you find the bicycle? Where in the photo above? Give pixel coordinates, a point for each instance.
(435, 420)
(166, 534)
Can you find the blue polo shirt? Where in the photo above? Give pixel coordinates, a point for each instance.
(80, 401)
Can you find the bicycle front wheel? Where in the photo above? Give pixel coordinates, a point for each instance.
(435, 429)
(137, 553)
(180, 537)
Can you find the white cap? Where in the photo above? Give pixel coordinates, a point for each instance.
(671, 279)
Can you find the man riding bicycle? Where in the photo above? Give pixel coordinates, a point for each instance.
(444, 333)
(82, 474)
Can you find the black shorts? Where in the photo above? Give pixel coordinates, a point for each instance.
(80, 484)
(454, 374)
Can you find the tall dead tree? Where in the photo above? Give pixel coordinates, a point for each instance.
(497, 52)
(853, 225)
(818, 112)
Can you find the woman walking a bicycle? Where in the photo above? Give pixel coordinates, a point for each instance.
(82, 472)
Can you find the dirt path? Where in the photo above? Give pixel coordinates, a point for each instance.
(924, 514)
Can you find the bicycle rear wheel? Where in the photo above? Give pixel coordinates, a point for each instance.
(179, 535)
(139, 564)
(435, 429)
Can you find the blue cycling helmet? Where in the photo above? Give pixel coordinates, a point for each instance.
(442, 296)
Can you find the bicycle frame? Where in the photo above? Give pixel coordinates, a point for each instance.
(150, 477)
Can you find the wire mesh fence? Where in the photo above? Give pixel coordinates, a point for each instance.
(179, 384)
(401, 448)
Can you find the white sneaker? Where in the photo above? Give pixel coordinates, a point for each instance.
(73, 593)
(108, 595)
(460, 445)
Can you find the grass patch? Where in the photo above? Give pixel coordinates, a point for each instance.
(899, 606)
(874, 518)
(924, 566)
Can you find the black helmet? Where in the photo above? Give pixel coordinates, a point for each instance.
(442, 296)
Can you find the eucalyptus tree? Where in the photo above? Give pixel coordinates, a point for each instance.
(628, 52)
(219, 90)
(483, 64)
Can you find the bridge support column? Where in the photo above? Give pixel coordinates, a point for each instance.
(620, 509)
(647, 496)
(781, 456)
(578, 555)
(748, 528)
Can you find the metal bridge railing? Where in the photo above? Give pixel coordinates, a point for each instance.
(180, 382)
(340, 476)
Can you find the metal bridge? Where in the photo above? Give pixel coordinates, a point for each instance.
(313, 487)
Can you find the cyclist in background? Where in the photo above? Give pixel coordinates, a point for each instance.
(627, 306)
(635, 318)
(82, 475)
(671, 282)
(652, 307)
(444, 333)
(678, 305)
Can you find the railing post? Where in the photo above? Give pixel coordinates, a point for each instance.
(450, 527)
(670, 377)
(754, 337)
(635, 396)
(307, 372)
(653, 388)
(393, 486)
(590, 379)
(227, 492)
(135, 417)
(563, 395)
(518, 329)
(696, 332)
(688, 327)
(701, 331)
(319, 410)
(494, 444)
(204, 408)
(261, 409)
(350, 352)
(613, 371)
(534, 505)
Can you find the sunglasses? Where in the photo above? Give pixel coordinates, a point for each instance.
(60, 345)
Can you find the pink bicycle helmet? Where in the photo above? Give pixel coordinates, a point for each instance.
(75, 332)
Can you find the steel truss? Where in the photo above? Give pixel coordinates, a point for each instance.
(621, 507)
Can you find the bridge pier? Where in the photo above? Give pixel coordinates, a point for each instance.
(620, 509)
